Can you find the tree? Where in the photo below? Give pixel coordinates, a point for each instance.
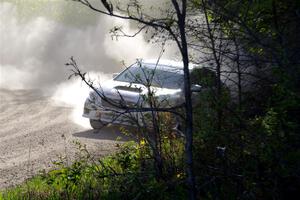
(251, 122)
(260, 56)
(174, 25)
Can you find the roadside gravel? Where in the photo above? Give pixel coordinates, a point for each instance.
(34, 132)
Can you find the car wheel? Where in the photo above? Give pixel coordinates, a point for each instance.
(96, 124)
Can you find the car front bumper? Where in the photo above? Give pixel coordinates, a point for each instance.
(107, 115)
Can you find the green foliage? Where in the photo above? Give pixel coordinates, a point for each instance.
(128, 174)
(251, 155)
(242, 150)
(258, 159)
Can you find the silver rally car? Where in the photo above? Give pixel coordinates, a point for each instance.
(130, 87)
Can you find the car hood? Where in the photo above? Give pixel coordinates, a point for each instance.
(132, 92)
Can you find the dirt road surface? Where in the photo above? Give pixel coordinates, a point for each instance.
(34, 132)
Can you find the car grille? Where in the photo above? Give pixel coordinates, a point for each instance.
(117, 104)
(86, 111)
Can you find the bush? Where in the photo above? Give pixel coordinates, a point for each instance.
(128, 174)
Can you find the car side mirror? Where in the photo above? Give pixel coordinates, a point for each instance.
(115, 75)
(196, 88)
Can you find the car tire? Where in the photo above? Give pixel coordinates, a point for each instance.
(96, 124)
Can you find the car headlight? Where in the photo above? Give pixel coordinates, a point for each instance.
(92, 96)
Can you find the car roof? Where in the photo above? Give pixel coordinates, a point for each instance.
(166, 63)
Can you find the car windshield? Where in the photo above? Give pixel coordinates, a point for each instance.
(161, 76)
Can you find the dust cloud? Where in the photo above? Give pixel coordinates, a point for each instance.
(35, 45)
(74, 92)
(33, 52)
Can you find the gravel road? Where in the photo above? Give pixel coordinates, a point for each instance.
(34, 132)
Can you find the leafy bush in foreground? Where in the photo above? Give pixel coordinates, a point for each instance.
(128, 174)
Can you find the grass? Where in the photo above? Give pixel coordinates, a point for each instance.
(35, 188)
(128, 174)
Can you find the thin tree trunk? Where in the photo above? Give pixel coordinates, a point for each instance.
(239, 73)
(218, 67)
(188, 100)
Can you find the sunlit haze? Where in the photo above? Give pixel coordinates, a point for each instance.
(39, 37)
